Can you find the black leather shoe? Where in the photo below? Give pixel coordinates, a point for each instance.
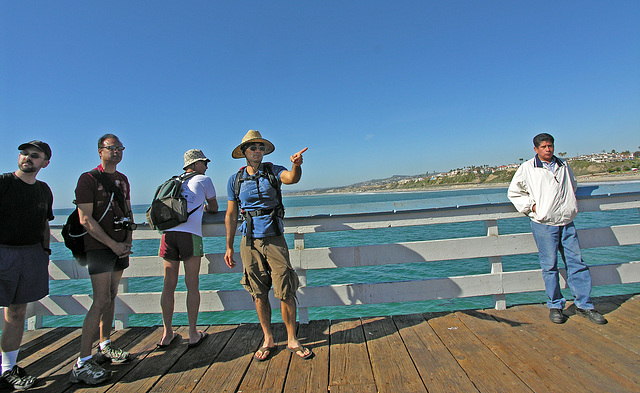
(593, 316)
(556, 315)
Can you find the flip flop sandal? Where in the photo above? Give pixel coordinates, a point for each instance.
(203, 336)
(176, 336)
(267, 352)
(300, 349)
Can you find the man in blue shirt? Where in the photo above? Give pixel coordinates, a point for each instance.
(264, 251)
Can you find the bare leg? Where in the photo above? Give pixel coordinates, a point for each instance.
(264, 315)
(288, 311)
(101, 305)
(167, 299)
(13, 327)
(192, 280)
(106, 320)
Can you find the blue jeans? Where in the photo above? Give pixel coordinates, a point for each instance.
(550, 240)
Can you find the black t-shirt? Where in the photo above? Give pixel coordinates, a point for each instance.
(24, 210)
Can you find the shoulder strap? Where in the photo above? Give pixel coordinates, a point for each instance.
(183, 178)
(236, 185)
(111, 187)
(268, 169)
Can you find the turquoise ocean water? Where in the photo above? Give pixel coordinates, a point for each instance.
(342, 203)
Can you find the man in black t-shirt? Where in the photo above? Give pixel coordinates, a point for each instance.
(26, 207)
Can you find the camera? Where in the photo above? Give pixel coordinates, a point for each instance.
(124, 223)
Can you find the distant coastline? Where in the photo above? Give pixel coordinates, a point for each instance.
(591, 178)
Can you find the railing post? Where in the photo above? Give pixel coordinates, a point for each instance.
(303, 312)
(35, 322)
(121, 321)
(500, 300)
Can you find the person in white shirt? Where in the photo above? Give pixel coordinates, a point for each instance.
(184, 243)
(544, 188)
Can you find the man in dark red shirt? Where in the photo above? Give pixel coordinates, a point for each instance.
(105, 212)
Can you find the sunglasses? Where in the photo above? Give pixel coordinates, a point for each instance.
(255, 148)
(113, 148)
(35, 156)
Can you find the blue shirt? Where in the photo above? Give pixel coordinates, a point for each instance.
(258, 195)
(550, 165)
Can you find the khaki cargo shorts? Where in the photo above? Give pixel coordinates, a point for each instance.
(266, 263)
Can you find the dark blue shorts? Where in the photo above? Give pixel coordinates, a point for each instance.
(24, 274)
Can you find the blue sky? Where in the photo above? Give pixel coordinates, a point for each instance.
(373, 88)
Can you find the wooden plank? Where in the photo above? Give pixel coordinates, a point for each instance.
(311, 375)
(54, 358)
(151, 364)
(439, 370)
(501, 335)
(576, 356)
(392, 366)
(625, 313)
(231, 364)
(545, 337)
(185, 374)
(57, 364)
(269, 376)
(35, 342)
(484, 368)
(621, 328)
(607, 353)
(350, 369)
(139, 342)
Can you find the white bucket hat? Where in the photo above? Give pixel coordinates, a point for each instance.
(192, 156)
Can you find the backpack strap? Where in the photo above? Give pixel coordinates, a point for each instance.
(247, 216)
(111, 187)
(183, 178)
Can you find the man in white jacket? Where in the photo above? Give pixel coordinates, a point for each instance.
(544, 189)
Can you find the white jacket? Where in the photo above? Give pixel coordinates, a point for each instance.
(553, 195)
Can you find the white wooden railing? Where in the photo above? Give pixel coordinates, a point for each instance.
(493, 246)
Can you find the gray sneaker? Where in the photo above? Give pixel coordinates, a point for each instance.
(90, 373)
(17, 378)
(113, 354)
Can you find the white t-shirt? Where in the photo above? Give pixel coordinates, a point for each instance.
(196, 190)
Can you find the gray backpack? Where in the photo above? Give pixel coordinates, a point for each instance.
(169, 208)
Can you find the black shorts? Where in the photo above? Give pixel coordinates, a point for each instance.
(105, 261)
(24, 274)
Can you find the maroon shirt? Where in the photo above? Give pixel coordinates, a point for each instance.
(89, 190)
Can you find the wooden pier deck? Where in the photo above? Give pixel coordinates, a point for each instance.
(517, 350)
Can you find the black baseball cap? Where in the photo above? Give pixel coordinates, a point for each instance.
(42, 146)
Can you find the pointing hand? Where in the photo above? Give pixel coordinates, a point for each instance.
(296, 159)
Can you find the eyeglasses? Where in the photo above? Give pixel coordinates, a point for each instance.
(257, 147)
(35, 156)
(113, 148)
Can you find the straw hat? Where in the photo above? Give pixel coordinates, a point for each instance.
(192, 156)
(252, 137)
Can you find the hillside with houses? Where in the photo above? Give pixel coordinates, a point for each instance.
(587, 165)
